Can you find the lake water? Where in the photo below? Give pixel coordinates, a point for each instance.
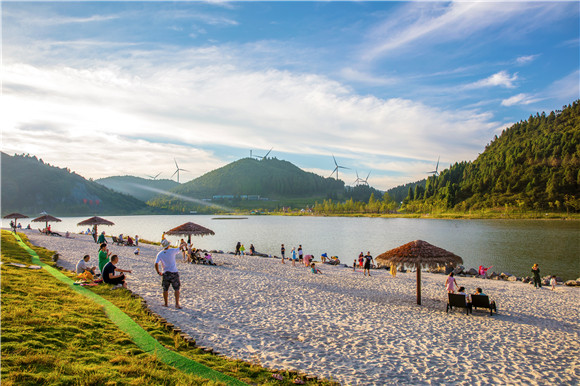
(510, 246)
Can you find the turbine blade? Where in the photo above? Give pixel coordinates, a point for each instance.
(334, 160)
(267, 153)
(368, 175)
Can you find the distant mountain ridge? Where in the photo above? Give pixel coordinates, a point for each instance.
(140, 188)
(268, 178)
(30, 186)
(532, 165)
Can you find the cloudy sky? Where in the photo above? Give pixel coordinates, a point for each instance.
(116, 88)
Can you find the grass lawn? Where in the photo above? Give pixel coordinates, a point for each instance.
(53, 335)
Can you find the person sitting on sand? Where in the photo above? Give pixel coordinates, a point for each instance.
(28, 226)
(136, 251)
(83, 265)
(101, 238)
(103, 256)
(450, 283)
(109, 275)
(252, 250)
(208, 258)
(130, 241)
(313, 268)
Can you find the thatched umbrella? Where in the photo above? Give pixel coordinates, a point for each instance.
(46, 218)
(95, 221)
(419, 253)
(15, 216)
(189, 229)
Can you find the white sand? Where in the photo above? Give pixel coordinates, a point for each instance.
(355, 329)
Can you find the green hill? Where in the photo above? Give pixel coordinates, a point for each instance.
(30, 186)
(533, 165)
(239, 184)
(140, 188)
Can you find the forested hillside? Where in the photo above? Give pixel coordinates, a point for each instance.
(268, 178)
(140, 188)
(30, 186)
(533, 165)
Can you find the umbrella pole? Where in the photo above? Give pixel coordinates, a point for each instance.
(189, 239)
(419, 284)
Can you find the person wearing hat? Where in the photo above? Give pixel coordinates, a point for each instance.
(167, 258)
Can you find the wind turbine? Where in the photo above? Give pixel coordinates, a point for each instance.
(259, 156)
(366, 180)
(337, 167)
(177, 170)
(154, 177)
(358, 179)
(436, 171)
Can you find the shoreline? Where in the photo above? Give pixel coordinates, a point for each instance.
(355, 329)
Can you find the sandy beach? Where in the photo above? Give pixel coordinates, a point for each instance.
(358, 330)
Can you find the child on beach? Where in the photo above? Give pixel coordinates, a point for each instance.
(294, 257)
(354, 265)
(553, 282)
(450, 283)
(282, 252)
(314, 269)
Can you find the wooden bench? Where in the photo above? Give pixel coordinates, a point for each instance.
(482, 301)
(117, 241)
(457, 300)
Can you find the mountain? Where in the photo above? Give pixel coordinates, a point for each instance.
(31, 186)
(532, 165)
(140, 188)
(244, 180)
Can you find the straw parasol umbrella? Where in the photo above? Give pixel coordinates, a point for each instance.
(15, 216)
(189, 229)
(419, 253)
(46, 218)
(95, 221)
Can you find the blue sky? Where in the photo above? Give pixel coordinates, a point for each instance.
(110, 88)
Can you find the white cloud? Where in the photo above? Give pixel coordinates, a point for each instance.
(357, 76)
(118, 117)
(499, 79)
(519, 99)
(429, 23)
(526, 59)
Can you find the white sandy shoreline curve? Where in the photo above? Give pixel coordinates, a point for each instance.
(358, 330)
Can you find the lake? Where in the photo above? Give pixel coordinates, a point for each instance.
(510, 246)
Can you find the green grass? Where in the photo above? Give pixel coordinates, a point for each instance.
(52, 335)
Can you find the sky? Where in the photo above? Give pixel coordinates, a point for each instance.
(388, 88)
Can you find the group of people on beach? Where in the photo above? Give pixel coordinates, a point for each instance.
(190, 254)
(241, 250)
(298, 256)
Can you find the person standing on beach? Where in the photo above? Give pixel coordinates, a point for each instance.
(183, 248)
(450, 283)
(300, 254)
(367, 266)
(101, 238)
(242, 250)
(294, 258)
(103, 256)
(282, 252)
(537, 279)
(167, 258)
(238, 245)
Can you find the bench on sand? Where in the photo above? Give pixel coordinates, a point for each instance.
(458, 300)
(117, 241)
(482, 301)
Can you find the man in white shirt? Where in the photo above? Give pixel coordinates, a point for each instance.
(170, 275)
(83, 265)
